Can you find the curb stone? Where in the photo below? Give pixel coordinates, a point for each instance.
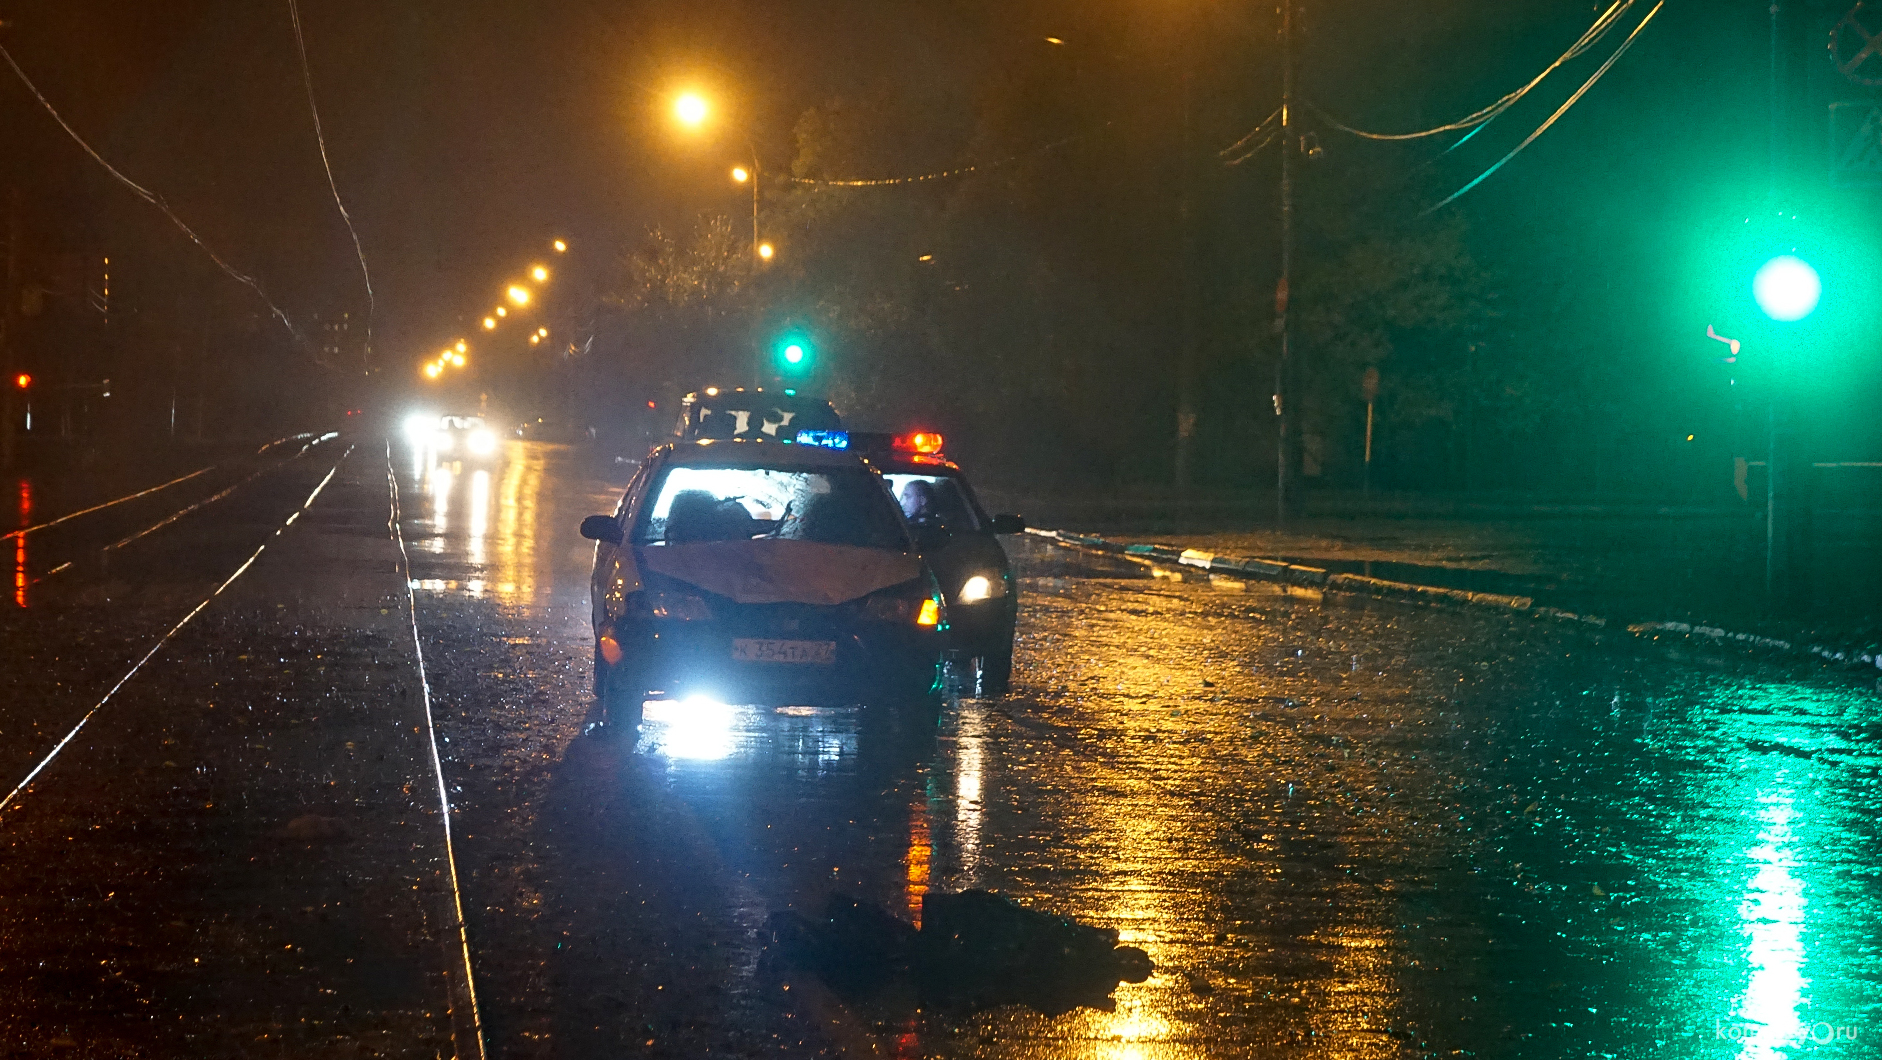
(1317, 578)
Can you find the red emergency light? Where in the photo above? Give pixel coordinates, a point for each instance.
(918, 442)
(23, 380)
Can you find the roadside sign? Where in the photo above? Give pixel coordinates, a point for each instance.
(1856, 139)
(1855, 49)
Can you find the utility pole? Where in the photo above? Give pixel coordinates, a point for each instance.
(10, 329)
(1286, 414)
(1187, 369)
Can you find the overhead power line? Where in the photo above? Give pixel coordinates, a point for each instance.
(959, 171)
(307, 78)
(1252, 133)
(1476, 120)
(154, 199)
(1559, 111)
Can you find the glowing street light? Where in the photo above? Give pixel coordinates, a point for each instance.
(432, 370)
(539, 274)
(519, 295)
(457, 360)
(542, 332)
(560, 246)
(691, 109)
(534, 339)
(490, 323)
(741, 174)
(766, 251)
(462, 346)
(502, 312)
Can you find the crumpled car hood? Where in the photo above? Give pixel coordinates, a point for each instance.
(777, 572)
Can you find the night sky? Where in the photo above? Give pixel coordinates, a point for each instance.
(467, 133)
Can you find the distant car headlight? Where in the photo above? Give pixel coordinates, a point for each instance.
(981, 587)
(418, 425)
(442, 441)
(483, 443)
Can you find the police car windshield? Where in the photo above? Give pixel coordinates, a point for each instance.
(933, 500)
(838, 506)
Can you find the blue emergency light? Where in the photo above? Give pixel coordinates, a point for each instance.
(825, 439)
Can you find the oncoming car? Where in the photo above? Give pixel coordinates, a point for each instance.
(957, 539)
(465, 438)
(742, 571)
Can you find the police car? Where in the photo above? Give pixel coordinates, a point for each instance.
(737, 413)
(762, 570)
(958, 539)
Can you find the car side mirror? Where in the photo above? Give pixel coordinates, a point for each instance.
(1007, 524)
(602, 528)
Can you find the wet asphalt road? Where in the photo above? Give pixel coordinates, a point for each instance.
(1340, 827)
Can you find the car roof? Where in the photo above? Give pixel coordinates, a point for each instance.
(758, 454)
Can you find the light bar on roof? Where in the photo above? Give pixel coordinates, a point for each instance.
(824, 439)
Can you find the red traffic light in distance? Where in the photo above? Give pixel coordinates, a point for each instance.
(22, 380)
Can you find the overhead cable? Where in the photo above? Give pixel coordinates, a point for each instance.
(154, 199)
(959, 171)
(307, 78)
(1559, 111)
(1253, 151)
(1252, 133)
(1588, 40)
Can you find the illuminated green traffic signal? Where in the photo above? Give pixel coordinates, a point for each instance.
(1787, 288)
(795, 352)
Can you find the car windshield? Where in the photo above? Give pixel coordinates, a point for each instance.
(933, 500)
(842, 506)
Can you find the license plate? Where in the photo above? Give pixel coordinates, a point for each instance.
(821, 652)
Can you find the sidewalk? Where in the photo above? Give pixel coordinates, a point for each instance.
(1696, 568)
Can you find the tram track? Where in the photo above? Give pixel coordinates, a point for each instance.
(195, 506)
(13, 797)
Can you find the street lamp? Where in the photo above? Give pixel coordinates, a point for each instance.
(502, 312)
(490, 323)
(765, 251)
(560, 246)
(519, 295)
(539, 274)
(691, 109)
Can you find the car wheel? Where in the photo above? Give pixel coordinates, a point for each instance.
(996, 672)
(622, 693)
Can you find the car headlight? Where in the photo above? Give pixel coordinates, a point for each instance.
(481, 442)
(680, 607)
(981, 587)
(442, 441)
(417, 425)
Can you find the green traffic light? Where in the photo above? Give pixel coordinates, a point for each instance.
(1787, 288)
(795, 352)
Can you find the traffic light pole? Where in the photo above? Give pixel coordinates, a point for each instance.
(1287, 443)
(9, 330)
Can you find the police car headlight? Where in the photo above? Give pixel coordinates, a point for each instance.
(483, 443)
(981, 587)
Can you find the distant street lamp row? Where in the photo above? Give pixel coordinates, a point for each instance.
(516, 294)
(691, 110)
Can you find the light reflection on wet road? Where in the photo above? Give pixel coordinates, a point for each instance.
(1341, 828)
